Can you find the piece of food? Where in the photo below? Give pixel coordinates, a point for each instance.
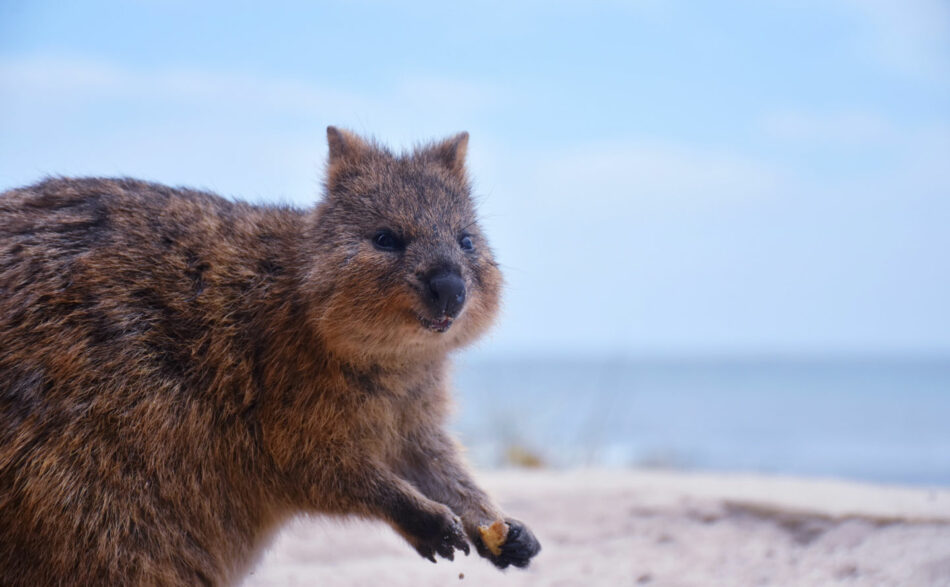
(494, 536)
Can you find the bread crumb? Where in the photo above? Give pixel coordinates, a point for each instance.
(494, 536)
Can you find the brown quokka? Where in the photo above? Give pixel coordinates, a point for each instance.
(181, 373)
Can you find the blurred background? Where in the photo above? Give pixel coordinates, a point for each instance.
(724, 226)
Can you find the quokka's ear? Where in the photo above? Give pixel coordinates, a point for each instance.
(451, 153)
(344, 145)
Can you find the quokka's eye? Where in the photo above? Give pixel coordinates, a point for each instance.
(385, 240)
(466, 243)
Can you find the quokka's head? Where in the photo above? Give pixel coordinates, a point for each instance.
(399, 265)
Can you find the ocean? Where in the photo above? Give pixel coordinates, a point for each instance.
(882, 420)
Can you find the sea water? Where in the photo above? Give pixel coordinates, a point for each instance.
(884, 420)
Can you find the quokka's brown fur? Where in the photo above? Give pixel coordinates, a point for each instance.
(180, 373)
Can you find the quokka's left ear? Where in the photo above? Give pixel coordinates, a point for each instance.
(451, 153)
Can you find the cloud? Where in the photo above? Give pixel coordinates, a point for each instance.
(908, 156)
(77, 79)
(911, 37)
(646, 170)
(852, 127)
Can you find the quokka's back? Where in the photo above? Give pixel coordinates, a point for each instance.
(180, 373)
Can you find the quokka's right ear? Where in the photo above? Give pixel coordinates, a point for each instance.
(451, 153)
(344, 145)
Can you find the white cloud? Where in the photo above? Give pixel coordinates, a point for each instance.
(853, 127)
(652, 170)
(912, 36)
(75, 79)
(85, 79)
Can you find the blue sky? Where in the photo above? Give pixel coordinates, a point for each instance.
(656, 177)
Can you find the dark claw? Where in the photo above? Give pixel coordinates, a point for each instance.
(445, 542)
(445, 549)
(427, 554)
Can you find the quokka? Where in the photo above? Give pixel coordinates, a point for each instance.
(180, 373)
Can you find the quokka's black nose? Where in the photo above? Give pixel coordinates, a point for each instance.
(446, 293)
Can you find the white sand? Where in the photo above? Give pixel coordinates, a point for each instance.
(647, 528)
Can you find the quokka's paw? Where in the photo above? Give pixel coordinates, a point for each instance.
(442, 536)
(517, 548)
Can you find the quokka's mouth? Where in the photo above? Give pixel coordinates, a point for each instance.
(436, 325)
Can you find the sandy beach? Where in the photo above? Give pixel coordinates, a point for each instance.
(654, 528)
